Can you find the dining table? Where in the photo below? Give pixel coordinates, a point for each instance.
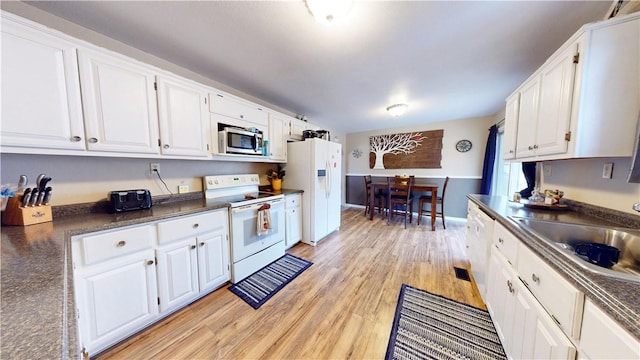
(432, 188)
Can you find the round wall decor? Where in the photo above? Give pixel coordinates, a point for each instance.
(463, 145)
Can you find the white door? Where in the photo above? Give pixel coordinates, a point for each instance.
(321, 182)
(293, 223)
(334, 159)
(184, 117)
(213, 259)
(117, 300)
(177, 274)
(527, 118)
(556, 97)
(120, 107)
(41, 104)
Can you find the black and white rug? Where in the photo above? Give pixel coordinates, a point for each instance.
(260, 286)
(429, 326)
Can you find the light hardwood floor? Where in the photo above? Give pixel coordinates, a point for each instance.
(341, 307)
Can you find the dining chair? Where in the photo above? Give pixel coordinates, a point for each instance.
(399, 196)
(380, 199)
(426, 200)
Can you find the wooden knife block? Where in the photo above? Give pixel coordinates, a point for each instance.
(15, 214)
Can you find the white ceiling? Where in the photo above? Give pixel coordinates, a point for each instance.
(446, 59)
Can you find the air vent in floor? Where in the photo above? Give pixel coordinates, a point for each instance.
(462, 274)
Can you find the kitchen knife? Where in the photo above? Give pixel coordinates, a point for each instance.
(22, 183)
(25, 197)
(34, 197)
(39, 179)
(47, 195)
(40, 198)
(43, 184)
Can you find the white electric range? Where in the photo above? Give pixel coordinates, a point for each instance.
(249, 250)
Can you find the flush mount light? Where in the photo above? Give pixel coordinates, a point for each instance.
(397, 109)
(328, 12)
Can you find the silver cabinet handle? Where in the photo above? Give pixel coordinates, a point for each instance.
(76, 138)
(535, 146)
(150, 262)
(166, 146)
(93, 140)
(121, 243)
(196, 225)
(530, 147)
(201, 244)
(500, 240)
(535, 278)
(510, 286)
(510, 151)
(193, 247)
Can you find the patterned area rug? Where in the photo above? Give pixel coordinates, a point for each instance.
(429, 326)
(260, 286)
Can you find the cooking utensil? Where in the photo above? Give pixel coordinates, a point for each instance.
(43, 184)
(34, 197)
(41, 195)
(38, 179)
(22, 183)
(47, 195)
(25, 197)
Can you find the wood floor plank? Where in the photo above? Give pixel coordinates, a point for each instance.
(341, 307)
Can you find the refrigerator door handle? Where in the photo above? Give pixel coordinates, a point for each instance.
(328, 180)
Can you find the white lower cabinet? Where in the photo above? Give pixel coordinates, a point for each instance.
(293, 220)
(195, 260)
(603, 338)
(526, 330)
(126, 279)
(116, 294)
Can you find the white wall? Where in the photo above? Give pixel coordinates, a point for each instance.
(582, 180)
(454, 163)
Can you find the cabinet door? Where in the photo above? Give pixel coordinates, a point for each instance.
(527, 118)
(184, 117)
(116, 300)
(556, 96)
(120, 107)
(213, 259)
(277, 142)
(501, 297)
(41, 106)
(603, 338)
(511, 127)
(293, 224)
(296, 127)
(177, 274)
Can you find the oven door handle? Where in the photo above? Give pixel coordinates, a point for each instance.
(255, 207)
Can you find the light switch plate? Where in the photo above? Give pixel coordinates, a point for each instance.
(183, 189)
(607, 170)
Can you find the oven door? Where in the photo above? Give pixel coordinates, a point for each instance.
(244, 229)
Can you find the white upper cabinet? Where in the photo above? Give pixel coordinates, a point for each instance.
(511, 127)
(120, 107)
(584, 101)
(41, 106)
(278, 129)
(236, 111)
(183, 115)
(296, 128)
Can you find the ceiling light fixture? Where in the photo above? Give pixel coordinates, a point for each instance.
(397, 109)
(328, 12)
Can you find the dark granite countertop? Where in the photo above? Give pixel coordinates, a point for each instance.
(620, 299)
(37, 304)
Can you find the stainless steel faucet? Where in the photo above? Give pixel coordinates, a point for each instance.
(636, 206)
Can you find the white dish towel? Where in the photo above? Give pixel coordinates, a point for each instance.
(264, 221)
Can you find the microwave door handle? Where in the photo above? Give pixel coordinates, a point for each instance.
(255, 142)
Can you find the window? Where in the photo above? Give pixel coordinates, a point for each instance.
(508, 177)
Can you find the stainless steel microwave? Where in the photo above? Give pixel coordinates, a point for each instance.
(238, 141)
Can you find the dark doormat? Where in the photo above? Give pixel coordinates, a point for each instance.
(462, 274)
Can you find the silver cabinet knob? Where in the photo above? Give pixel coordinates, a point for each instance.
(93, 140)
(193, 247)
(121, 243)
(76, 138)
(166, 146)
(535, 278)
(196, 225)
(201, 244)
(150, 262)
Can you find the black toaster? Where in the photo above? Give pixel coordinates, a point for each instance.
(129, 200)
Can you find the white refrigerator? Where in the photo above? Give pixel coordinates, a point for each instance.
(314, 166)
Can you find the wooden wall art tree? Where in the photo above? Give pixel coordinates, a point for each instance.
(406, 150)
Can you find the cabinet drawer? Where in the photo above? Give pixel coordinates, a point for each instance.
(506, 243)
(109, 245)
(186, 226)
(563, 301)
(237, 109)
(603, 338)
(293, 201)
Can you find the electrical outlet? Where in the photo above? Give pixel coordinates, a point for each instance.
(154, 167)
(607, 170)
(546, 167)
(183, 189)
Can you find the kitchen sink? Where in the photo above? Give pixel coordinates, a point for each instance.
(565, 236)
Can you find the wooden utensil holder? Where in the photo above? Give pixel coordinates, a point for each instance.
(15, 214)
